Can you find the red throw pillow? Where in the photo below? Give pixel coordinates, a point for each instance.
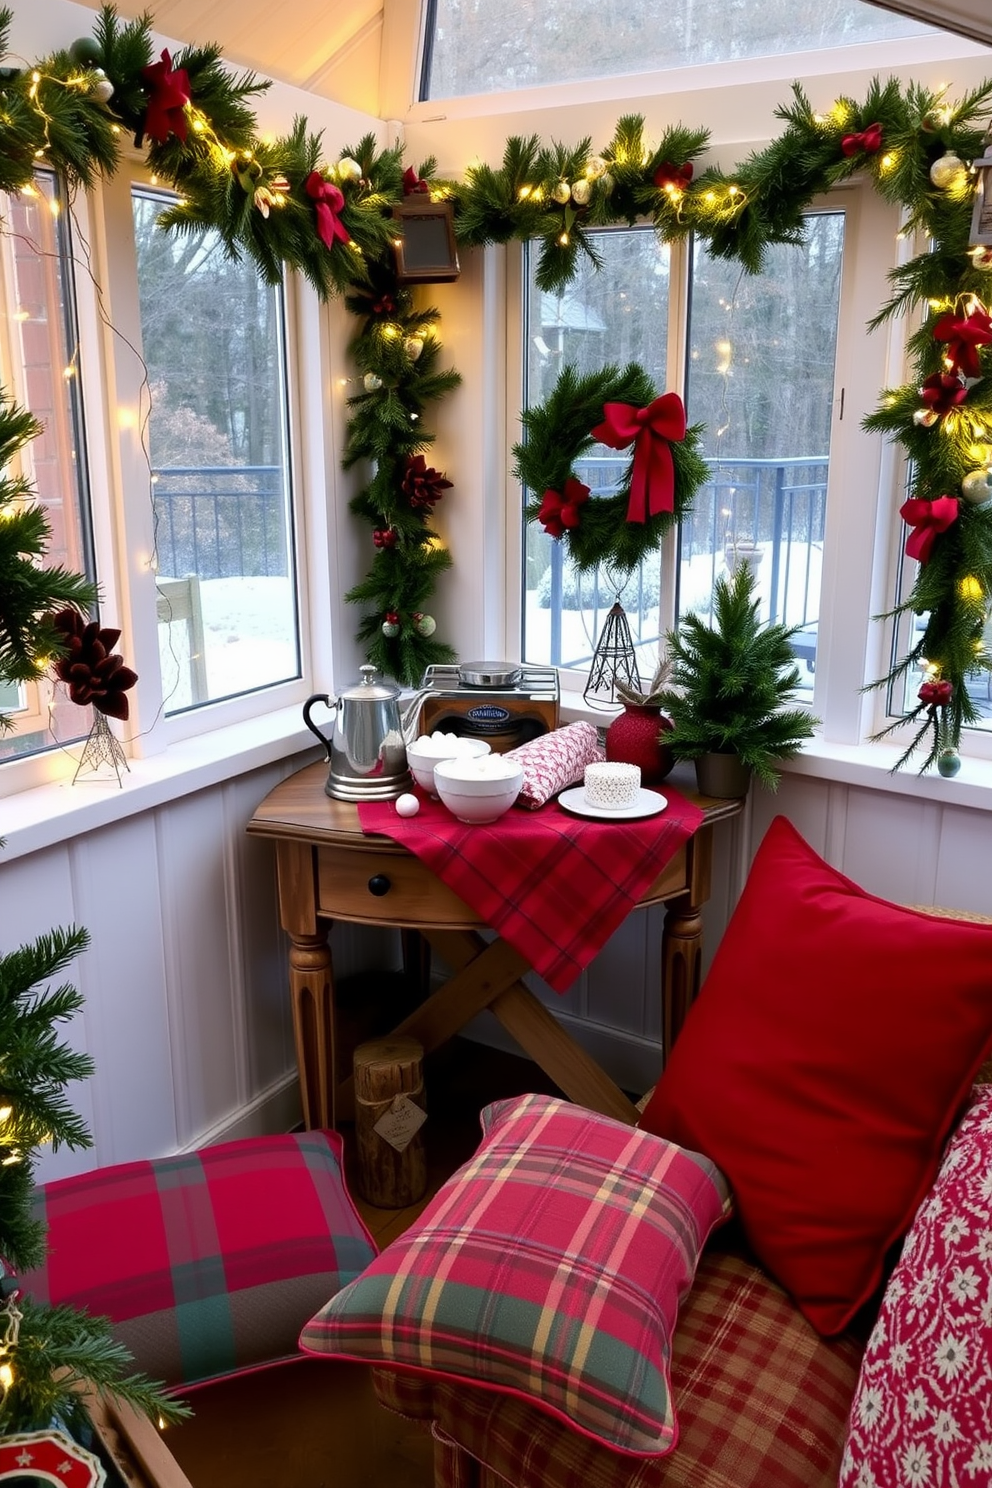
(829, 1053)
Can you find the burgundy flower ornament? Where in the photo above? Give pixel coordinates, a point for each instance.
(91, 669)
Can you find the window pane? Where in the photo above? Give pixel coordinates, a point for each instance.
(616, 315)
(214, 345)
(38, 367)
(761, 379)
(489, 46)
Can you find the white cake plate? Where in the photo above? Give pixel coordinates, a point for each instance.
(648, 803)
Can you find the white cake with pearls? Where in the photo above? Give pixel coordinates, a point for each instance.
(612, 787)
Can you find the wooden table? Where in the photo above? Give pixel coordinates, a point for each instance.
(328, 870)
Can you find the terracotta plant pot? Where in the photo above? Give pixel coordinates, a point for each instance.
(635, 738)
(722, 775)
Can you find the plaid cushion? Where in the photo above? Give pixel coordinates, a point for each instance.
(551, 1266)
(208, 1262)
(762, 1403)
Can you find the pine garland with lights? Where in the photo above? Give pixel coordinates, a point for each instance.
(280, 204)
(559, 432)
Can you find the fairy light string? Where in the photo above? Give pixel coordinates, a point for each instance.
(916, 148)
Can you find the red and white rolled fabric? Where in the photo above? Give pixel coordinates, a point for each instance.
(555, 761)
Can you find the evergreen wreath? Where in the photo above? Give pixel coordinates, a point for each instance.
(559, 432)
(280, 204)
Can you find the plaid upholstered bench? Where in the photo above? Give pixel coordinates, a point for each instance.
(568, 1313)
(762, 1403)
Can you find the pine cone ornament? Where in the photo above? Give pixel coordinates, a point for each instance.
(91, 669)
(422, 484)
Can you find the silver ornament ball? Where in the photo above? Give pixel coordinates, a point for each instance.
(581, 191)
(413, 346)
(562, 192)
(976, 487)
(372, 382)
(946, 171)
(103, 89)
(390, 629)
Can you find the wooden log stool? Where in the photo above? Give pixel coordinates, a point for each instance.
(389, 1113)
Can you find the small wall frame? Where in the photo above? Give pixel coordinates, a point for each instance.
(425, 242)
(981, 221)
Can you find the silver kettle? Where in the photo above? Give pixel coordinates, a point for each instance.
(367, 747)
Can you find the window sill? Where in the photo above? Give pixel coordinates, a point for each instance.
(48, 814)
(867, 765)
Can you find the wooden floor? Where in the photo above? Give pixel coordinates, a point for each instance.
(316, 1423)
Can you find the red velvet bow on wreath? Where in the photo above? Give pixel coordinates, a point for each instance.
(964, 335)
(652, 483)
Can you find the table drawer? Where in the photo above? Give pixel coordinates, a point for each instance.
(386, 889)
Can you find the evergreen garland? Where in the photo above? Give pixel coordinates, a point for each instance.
(256, 196)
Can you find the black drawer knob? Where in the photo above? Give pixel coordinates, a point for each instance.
(379, 885)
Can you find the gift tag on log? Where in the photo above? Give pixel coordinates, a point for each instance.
(401, 1122)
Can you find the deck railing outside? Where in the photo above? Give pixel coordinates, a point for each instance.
(221, 521)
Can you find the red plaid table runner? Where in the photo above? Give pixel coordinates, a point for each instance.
(554, 886)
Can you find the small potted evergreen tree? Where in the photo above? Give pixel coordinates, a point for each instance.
(731, 691)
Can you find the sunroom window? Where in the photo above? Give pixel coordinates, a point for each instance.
(760, 353)
(39, 369)
(213, 340)
(490, 46)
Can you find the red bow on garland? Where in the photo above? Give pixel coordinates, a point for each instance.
(652, 482)
(936, 694)
(560, 510)
(166, 112)
(942, 392)
(927, 519)
(412, 182)
(964, 336)
(869, 140)
(328, 202)
(669, 177)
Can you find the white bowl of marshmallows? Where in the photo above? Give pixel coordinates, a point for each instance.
(478, 790)
(430, 749)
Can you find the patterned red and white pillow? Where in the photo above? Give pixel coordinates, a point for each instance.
(555, 761)
(922, 1410)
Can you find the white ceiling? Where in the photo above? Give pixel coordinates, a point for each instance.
(334, 50)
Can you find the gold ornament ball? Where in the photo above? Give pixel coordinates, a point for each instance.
(581, 191)
(946, 171)
(976, 487)
(372, 382)
(596, 168)
(348, 169)
(413, 346)
(981, 257)
(562, 192)
(925, 418)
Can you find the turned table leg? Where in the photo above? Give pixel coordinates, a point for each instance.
(682, 961)
(311, 988)
(311, 982)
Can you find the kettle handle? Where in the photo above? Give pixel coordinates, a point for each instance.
(329, 702)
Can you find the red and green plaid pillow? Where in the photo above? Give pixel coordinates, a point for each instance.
(550, 1266)
(208, 1262)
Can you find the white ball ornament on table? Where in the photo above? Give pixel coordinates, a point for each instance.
(407, 805)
